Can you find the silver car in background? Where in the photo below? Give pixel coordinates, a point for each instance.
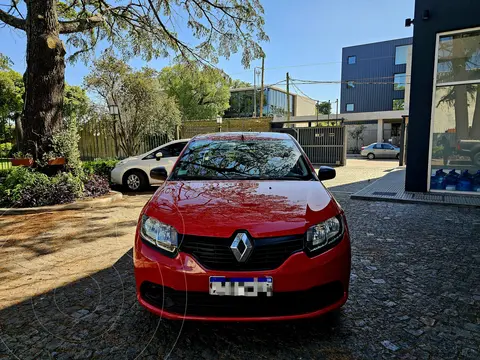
(380, 151)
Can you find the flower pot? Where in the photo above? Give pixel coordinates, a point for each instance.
(22, 162)
(57, 161)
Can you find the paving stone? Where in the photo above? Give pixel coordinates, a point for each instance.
(422, 302)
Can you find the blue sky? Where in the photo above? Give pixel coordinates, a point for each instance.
(302, 32)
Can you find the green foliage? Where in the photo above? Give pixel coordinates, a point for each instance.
(11, 102)
(237, 84)
(201, 93)
(150, 28)
(75, 102)
(4, 172)
(5, 149)
(5, 62)
(102, 167)
(65, 144)
(24, 187)
(144, 109)
(324, 107)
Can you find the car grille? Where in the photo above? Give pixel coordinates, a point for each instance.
(215, 253)
(280, 304)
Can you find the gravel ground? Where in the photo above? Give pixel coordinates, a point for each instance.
(67, 289)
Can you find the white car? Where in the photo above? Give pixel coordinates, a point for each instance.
(134, 172)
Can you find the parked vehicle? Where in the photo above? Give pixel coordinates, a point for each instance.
(245, 230)
(134, 172)
(470, 148)
(380, 150)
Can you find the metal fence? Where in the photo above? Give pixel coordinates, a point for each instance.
(324, 145)
(97, 141)
(5, 164)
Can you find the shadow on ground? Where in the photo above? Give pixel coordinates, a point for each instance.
(98, 316)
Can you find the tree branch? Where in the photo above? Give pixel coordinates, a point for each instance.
(69, 27)
(12, 20)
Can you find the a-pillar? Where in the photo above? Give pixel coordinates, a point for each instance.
(380, 131)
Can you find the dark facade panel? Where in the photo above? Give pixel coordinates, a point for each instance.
(443, 15)
(374, 63)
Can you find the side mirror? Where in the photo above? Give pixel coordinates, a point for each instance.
(159, 173)
(326, 173)
(158, 156)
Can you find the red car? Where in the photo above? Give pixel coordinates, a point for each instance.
(242, 230)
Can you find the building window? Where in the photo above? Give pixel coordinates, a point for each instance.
(399, 81)
(350, 107)
(401, 54)
(350, 85)
(351, 60)
(398, 104)
(455, 105)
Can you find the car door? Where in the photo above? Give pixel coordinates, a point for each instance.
(389, 151)
(378, 151)
(170, 154)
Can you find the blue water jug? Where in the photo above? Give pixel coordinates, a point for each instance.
(476, 182)
(437, 182)
(451, 180)
(465, 182)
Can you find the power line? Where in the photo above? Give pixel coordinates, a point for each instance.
(318, 64)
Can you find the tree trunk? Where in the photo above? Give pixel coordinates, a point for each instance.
(18, 132)
(45, 77)
(475, 132)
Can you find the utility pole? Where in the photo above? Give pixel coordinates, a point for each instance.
(261, 93)
(254, 92)
(288, 97)
(336, 116)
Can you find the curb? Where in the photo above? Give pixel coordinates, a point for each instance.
(409, 201)
(81, 204)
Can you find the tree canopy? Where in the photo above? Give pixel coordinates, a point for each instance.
(324, 107)
(144, 109)
(152, 28)
(198, 30)
(201, 92)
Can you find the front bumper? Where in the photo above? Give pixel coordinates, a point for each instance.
(116, 175)
(303, 287)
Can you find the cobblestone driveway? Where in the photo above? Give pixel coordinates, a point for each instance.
(67, 289)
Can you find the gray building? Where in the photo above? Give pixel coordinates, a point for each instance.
(375, 90)
(374, 76)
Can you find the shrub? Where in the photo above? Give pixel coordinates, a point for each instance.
(24, 187)
(4, 172)
(95, 185)
(5, 149)
(101, 167)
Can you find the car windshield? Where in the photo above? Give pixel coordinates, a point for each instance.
(247, 160)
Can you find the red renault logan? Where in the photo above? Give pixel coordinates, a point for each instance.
(242, 230)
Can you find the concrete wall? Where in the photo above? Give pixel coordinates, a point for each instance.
(304, 106)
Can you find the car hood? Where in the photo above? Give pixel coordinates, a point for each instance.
(263, 208)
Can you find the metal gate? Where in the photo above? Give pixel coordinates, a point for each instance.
(324, 145)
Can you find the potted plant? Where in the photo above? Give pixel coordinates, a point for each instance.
(57, 161)
(21, 159)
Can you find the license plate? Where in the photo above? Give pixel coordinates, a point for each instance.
(223, 286)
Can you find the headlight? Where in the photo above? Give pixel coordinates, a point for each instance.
(321, 235)
(159, 234)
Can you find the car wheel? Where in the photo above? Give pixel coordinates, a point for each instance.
(476, 159)
(134, 181)
(371, 156)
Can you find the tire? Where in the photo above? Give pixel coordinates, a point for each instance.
(135, 180)
(371, 156)
(476, 159)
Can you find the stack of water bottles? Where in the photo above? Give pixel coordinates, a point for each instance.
(464, 181)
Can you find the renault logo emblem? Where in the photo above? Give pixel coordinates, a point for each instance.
(241, 247)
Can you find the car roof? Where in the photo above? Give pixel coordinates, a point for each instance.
(243, 136)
